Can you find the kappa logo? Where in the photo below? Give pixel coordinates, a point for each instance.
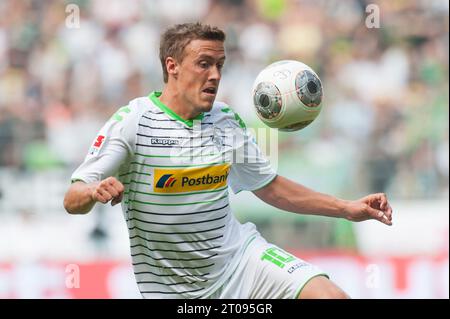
(166, 181)
(164, 141)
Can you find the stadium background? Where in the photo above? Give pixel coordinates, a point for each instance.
(383, 128)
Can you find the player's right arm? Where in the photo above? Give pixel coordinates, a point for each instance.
(81, 196)
(93, 181)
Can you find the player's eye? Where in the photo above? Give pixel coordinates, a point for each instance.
(204, 64)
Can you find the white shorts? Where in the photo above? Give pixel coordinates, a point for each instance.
(267, 272)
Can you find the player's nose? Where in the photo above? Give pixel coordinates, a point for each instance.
(215, 73)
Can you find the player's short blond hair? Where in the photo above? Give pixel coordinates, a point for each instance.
(176, 38)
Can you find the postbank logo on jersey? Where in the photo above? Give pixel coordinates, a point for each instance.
(184, 180)
(167, 180)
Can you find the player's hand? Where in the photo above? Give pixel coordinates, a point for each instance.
(374, 206)
(108, 189)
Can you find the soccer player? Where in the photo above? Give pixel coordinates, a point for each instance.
(169, 159)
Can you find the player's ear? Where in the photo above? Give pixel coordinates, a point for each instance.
(172, 66)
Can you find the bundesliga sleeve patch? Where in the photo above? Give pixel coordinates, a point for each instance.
(97, 145)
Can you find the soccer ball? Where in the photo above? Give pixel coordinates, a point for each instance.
(287, 95)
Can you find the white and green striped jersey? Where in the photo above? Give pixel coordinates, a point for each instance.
(185, 241)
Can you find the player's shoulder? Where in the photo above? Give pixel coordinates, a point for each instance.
(222, 112)
(133, 110)
(142, 104)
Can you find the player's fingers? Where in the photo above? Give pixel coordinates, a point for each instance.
(99, 198)
(118, 186)
(120, 189)
(111, 190)
(104, 195)
(379, 215)
(112, 181)
(378, 200)
(107, 185)
(385, 207)
(116, 189)
(382, 204)
(389, 211)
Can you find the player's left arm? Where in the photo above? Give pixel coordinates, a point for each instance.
(290, 196)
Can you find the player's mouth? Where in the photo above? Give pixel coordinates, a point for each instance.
(210, 91)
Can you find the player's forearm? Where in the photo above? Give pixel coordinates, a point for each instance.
(78, 199)
(287, 195)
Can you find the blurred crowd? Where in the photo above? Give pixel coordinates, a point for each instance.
(384, 123)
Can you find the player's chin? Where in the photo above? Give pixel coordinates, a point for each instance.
(207, 103)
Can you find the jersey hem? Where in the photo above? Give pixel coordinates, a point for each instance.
(74, 180)
(258, 187)
(300, 289)
(249, 241)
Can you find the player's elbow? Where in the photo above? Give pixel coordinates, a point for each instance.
(70, 205)
(67, 205)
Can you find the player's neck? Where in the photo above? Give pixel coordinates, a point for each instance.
(173, 101)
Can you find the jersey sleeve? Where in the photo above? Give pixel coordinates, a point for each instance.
(111, 148)
(250, 170)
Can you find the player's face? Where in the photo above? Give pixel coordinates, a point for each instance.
(199, 73)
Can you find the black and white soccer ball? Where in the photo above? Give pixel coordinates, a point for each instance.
(287, 95)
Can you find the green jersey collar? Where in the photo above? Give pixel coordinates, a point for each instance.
(154, 97)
